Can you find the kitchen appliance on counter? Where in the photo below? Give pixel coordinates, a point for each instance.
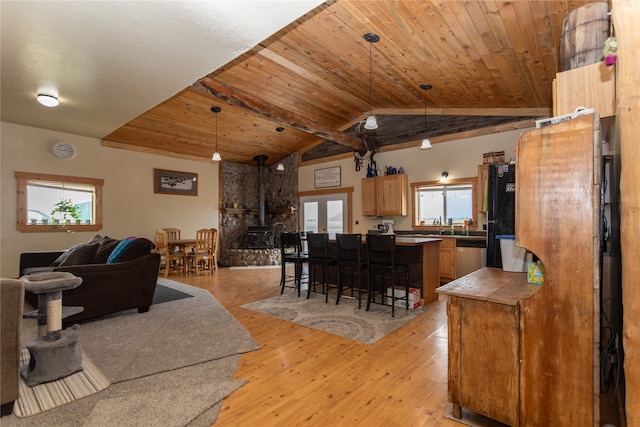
(386, 227)
(501, 208)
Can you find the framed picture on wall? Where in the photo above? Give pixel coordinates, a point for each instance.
(174, 182)
(327, 177)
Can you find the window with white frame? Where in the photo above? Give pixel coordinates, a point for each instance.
(437, 203)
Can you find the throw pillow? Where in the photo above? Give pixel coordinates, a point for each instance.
(138, 248)
(64, 255)
(120, 249)
(80, 254)
(107, 245)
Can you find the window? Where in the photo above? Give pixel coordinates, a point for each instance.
(435, 202)
(58, 203)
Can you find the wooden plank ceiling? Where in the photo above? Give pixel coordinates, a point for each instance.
(491, 65)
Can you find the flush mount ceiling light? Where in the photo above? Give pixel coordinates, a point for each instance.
(47, 100)
(426, 144)
(216, 156)
(371, 122)
(444, 177)
(280, 166)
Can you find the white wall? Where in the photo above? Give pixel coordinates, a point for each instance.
(130, 207)
(460, 158)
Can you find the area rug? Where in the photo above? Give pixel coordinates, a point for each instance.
(344, 319)
(166, 294)
(171, 366)
(42, 397)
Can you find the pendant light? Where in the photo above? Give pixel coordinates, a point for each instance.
(280, 166)
(216, 156)
(371, 122)
(426, 144)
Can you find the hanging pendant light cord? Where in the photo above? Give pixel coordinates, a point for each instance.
(371, 78)
(425, 113)
(216, 132)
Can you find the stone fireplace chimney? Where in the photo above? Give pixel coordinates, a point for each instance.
(260, 160)
(262, 236)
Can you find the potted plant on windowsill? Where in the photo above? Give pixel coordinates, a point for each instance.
(65, 211)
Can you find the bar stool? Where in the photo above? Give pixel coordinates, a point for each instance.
(319, 257)
(349, 249)
(380, 261)
(291, 252)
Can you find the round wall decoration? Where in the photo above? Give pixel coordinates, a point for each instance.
(63, 150)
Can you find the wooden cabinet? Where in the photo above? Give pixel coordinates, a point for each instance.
(527, 355)
(484, 341)
(483, 176)
(447, 259)
(369, 198)
(385, 195)
(591, 86)
(559, 181)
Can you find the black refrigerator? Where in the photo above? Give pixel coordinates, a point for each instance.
(501, 207)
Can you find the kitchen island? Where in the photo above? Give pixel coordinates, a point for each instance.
(421, 253)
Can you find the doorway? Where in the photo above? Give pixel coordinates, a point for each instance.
(325, 213)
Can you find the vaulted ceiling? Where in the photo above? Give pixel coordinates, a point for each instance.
(491, 65)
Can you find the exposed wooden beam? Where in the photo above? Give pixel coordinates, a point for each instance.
(523, 124)
(147, 150)
(275, 113)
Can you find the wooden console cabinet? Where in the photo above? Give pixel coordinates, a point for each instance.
(483, 312)
(527, 356)
(385, 195)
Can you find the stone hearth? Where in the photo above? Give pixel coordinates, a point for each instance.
(241, 257)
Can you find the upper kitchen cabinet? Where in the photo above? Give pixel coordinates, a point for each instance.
(591, 86)
(483, 176)
(369, 199)
(385, 195)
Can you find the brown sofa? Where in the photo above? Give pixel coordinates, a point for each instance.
(12, 299)
(107, 287)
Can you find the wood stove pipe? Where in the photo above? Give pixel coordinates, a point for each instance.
(261, 208)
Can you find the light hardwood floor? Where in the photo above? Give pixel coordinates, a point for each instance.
(303, 376)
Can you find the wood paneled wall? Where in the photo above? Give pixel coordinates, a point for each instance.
(626, 17)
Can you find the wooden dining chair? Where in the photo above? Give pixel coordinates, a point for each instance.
(172, 233)
(170, 259)
(203, 257)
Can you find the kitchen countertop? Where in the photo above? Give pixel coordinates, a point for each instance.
(415, 240)
(439, 236)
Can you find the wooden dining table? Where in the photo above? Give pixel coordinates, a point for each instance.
(182, 244)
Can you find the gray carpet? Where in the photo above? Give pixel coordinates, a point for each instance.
(171, 366)
(344, 319)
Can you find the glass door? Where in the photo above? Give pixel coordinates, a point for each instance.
(325, 213)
